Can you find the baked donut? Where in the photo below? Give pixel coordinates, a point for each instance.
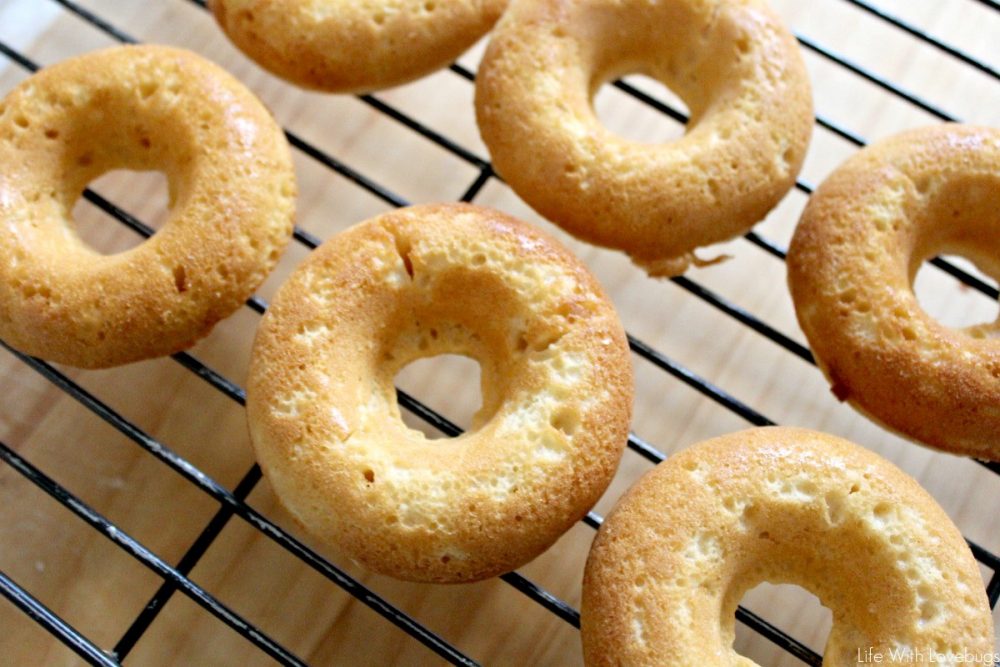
(734, 64)
(341, 46)
(682, 547)
(232, 191)
(417, 282)
(851, 265)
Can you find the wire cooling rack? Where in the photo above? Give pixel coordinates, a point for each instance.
(173, 574)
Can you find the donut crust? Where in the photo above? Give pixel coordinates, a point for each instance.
(348, 46)
(681, 548)
(851, 264)
(734, 64)
(232, 192)
(426, 280)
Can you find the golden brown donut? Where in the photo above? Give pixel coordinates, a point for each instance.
(851, 267)
(232, 191)
(417, 282)
(682, 547)
(734, 64)
(347, 46)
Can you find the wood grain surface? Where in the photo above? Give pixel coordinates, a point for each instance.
(99, 589)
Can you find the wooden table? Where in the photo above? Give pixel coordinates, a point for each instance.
(100, 589)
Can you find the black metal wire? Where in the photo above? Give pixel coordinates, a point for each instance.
(550, 602)
(993, 589)
(746, 318)
(59, 628)
(227, 499)
(219, 493)
(925, 37)
(421, 129)
(97, 21)
(184, 566)
(327, 160)
(880, 81)
(232, 503)
(481, 180)
(699, 384)
(765, 629)
(966, 278)
(146, 557)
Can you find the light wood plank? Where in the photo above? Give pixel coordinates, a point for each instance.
(99, 589)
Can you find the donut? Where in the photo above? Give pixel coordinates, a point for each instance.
(851, 265)
(232, 191)
(785, 505)
(341, 46)
(734, 64)
(417, 282)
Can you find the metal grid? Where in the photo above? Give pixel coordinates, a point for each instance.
(232, 502)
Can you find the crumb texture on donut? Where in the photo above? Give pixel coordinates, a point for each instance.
(422, 281)
(733, 63)
(232, 191)
(351, 46)
(861, 240)
(676, 555)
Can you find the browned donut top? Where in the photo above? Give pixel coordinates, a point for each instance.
(734, 64)
(851, 265)
(351, 45)
(232, 191)
(682, 547)
(421, 281)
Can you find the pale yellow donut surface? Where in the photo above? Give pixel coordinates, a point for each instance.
(354, 46)
(851, 266)
(734, 64)
(232, 191)
(427, 280)
(682, 547)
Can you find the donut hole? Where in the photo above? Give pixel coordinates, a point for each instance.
(635, 120)
(143, 194)
(681, 55)
(950, 301)
(958, 220)
(793, 609)
(450, 384)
